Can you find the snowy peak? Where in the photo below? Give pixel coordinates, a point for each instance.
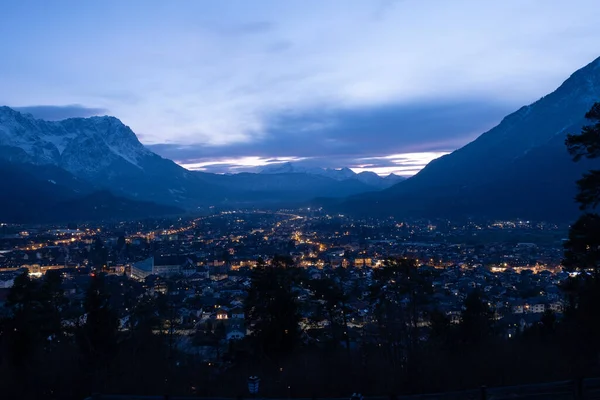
(289, 168)
(341, 174)
(282, 168)
(83, 146)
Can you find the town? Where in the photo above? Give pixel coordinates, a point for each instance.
(205, 265)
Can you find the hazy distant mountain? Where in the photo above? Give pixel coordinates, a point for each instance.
(371, 178)
(266, 188)
(520, 168)
(341, 174)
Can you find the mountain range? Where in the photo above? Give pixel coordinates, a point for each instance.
(341, 174)
(518, 169)
(77, 157)
(96, 168)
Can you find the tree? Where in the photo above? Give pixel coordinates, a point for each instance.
(21, 330)
(36, 308)
(121, 243)
(440, 326)
(98, 335)
(32, 335)
(333, 300)
(582, 249)
(220, 334)
(476, 319)
(548, 322)
(271, 310)
(587, 145)
(98, 254)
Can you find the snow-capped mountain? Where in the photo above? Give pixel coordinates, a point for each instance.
(83, 146)
(289, 168)
(100, 150)
(339, 174)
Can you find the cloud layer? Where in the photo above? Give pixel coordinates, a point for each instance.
(57, 113)
(361, 138)
(333, 81)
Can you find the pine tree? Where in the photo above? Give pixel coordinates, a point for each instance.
(582, 250)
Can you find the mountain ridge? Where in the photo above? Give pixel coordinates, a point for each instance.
(519, 168)
(338, 174)
(104, 153)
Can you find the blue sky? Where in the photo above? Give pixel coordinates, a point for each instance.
(230, 85)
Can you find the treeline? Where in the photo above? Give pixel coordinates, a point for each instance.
(52, 347)
(404, 344)
(56, 348)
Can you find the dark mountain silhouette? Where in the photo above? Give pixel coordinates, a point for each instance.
(520, 168)
(50, 194)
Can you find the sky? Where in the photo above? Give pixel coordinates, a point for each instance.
(229, 86)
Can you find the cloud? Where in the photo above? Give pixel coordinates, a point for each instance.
(57, 113)
(352, 137)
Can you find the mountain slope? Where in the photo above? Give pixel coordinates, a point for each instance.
(520, 168)
(49, 194)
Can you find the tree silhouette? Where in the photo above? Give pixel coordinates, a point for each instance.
(98, 254)
(271, 310)
(582, 249)
(98, 335)
(587, 145)
(476, 319)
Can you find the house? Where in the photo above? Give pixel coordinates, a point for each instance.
(517, 307)
(556, 306)
(235, 330)
(235, 334)
(188, 269)
(7, 280)
(537, 308)
(222, 314)
(237, 313)
(535, 305)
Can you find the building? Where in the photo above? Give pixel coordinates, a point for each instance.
(237, 313)
(162, 266)
(222, 314)
(142, 269)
